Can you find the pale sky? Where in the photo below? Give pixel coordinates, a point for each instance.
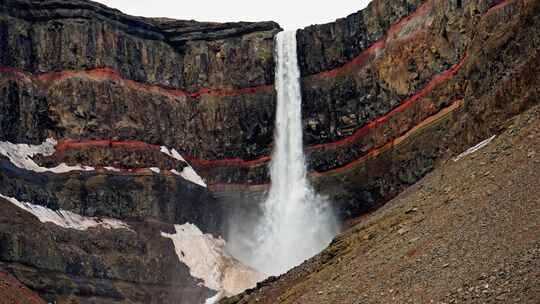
(290, 14)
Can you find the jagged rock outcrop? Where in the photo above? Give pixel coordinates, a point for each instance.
(441, 79)
(465, 233)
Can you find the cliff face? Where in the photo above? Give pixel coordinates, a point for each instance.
(465, 233)
(129, 102)
(95, 266)
(80, 70)
(394, 89)
(145, 113)
(409, 84)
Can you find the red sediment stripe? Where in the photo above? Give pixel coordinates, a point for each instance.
(380, 44)
(357, 61)
(111, 74)
(14, 73)
(394, 142)
(439, 79)
(65, 145)
(370, 154)
(101, 74)
(421, 11)
(436, 81)
(238, 162)
(13, 291)
(10, 70)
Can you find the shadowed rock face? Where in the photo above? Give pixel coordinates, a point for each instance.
(45, 36)
(107, 266)
(442, 76)
(123, 195)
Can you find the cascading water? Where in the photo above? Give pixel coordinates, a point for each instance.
(296, 223)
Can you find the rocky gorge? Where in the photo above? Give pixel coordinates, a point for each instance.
(165, 122)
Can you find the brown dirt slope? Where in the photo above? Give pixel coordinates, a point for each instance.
(467, 233)
(14, 292)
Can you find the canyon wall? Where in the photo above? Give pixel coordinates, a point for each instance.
(394, 89)
(135, 101)
(407, 86)
(388, 93)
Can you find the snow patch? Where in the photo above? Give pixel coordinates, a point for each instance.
(172, 153)
(215, 299)
(208, 260)
(188, 172)
(21, 156)
(475, 148)
(113, 169)
(66, 219)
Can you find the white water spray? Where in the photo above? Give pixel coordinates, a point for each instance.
(296, 223)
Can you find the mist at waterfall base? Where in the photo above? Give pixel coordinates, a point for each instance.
(294, 222)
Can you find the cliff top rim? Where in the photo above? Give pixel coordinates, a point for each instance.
(34, 9)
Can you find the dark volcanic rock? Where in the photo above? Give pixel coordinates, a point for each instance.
(388, 93)
(79, 70)
(95, 266)
(328, 46)
(44, 36)
(497, 79)
(165, 197)
(436, 82)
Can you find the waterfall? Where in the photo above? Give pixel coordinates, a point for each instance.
(296, 223)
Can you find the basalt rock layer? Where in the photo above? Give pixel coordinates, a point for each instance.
(388, 93)
(79, 70)
(114, 91)
(391, 91)
(132, 265)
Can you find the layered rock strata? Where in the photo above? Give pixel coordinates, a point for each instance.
(101, 265)
(385, 101)
(388, 93)
(79, 70)
(121, 96)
